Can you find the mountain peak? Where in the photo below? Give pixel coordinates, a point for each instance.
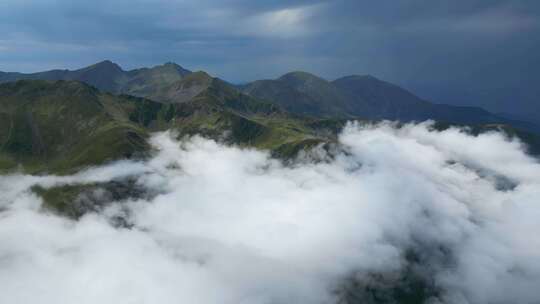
(355, 77)
(170, 63)
(105, 62)
(172, 66)
(106, 65)
(299, 75)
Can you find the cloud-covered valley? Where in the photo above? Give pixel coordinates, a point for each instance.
(396, 212)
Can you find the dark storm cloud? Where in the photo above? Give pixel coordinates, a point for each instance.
(481, 52)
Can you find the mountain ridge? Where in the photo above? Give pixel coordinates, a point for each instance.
(110, 77)
(60, 126)
(368, 97)
(298, 92)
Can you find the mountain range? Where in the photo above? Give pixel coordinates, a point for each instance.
(296, 92)
(61, 126)
(59, 121)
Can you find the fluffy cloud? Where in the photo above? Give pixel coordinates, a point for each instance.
(233, 225)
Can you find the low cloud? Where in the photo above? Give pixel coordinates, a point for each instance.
(455, 212)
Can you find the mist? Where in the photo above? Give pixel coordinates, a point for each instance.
(450, 214)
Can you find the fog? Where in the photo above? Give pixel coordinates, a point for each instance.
(222, 224)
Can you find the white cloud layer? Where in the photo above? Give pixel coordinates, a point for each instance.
(232, 225)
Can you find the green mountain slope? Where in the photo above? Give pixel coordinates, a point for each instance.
(221, 112)
(181, 90)
(62, 126)
(153, 82)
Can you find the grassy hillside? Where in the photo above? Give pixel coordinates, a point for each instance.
(62, 126)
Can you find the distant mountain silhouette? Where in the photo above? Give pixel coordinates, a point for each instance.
(366, 97)
(110, 77)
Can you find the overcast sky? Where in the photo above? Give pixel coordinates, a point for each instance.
(483, 52)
